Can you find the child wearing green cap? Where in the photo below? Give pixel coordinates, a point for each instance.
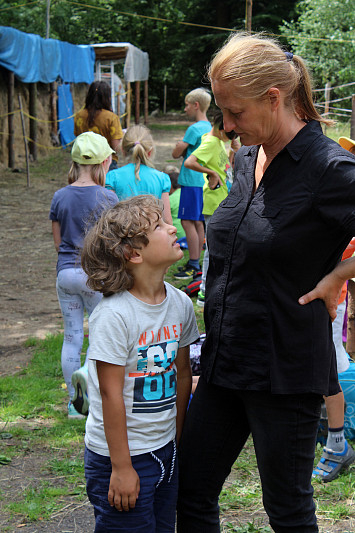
(72, 209)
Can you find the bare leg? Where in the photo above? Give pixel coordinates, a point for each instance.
(335, 410)
(201, 234)
(193, 237)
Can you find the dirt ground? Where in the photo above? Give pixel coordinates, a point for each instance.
(28, 301)
(29, 308)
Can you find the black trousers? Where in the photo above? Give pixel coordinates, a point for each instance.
(284, 429)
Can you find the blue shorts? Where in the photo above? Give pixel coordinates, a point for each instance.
(191, 203)
(156, 504)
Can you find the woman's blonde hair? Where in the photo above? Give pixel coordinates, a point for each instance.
(256, 64)
(97, 173)
(137, 143)
(109, 244)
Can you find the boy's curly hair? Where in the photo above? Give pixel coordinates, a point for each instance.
(109, 243)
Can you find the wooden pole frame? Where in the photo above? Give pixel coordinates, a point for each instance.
(352, 123)
(10, 118)
(25, 141)
(128, 104)
(33, 122)
(137, 97)
(146, 102)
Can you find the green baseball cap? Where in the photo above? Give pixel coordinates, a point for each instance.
(90, 148)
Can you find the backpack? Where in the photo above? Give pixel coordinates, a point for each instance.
(193, 288)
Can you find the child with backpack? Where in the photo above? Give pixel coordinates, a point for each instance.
(139, 369)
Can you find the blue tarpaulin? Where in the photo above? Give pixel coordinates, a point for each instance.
(33, 59)
(65, 109)
(30, 57)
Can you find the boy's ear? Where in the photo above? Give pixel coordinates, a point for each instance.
(132, 255)
(135, 257)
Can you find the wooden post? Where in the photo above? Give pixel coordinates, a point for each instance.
(25, 141)
(10, 118)
(350, 342)
(137, 101)
(248, 14)
(119, 105)
(326, 104)
(165, 97)
(146, 110)
(33, 122)
(53, 106)
(128, 104)
(352, 124)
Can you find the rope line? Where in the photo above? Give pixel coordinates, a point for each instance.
(336, 108)
(336, 87)
(190, 24)
(46, 121)
(20, 5)
(28, 139)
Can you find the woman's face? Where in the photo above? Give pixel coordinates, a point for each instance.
(253, 120)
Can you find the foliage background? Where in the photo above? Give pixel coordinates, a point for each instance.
(178, 51)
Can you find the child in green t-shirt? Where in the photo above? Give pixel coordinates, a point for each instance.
(211, 158)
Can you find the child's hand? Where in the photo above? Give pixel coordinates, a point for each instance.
(214, 180)
(235, 144)
(124, 489)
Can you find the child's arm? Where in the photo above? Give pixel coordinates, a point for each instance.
(56, 234)
(179, 149)
(213, 177)
(167, 210)
(184, 383)
(124, 483)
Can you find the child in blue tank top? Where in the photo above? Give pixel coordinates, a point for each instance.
(139, 176)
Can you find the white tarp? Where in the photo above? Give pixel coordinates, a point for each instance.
(136, 67)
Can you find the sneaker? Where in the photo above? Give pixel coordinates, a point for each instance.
(188, 272)
(80, 399)
(183, 267)
(332, 463)
(73, 413)
(200, 299)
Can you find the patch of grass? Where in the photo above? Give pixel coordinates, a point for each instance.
(250, 527)
(168, 127)
(341, 129)
(38, 503)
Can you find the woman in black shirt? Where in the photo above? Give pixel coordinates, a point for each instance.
(268, 359)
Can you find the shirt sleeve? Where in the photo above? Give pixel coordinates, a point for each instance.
(191, 135)
(166, 183)
(115, 129)
(335, 198)
(190, 331)
(53, 212)
(108, 337)
(203, 153)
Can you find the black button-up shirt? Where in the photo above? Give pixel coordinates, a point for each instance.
(267, 249)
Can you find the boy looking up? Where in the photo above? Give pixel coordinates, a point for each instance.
(139, 368)
(197, 103)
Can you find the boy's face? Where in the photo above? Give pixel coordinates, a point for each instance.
(190, 110)
(162, 249)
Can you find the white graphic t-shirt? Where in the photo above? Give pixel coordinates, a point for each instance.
(144, 339)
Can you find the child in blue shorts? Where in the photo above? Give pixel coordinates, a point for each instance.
(197, 103)
(139, 369)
